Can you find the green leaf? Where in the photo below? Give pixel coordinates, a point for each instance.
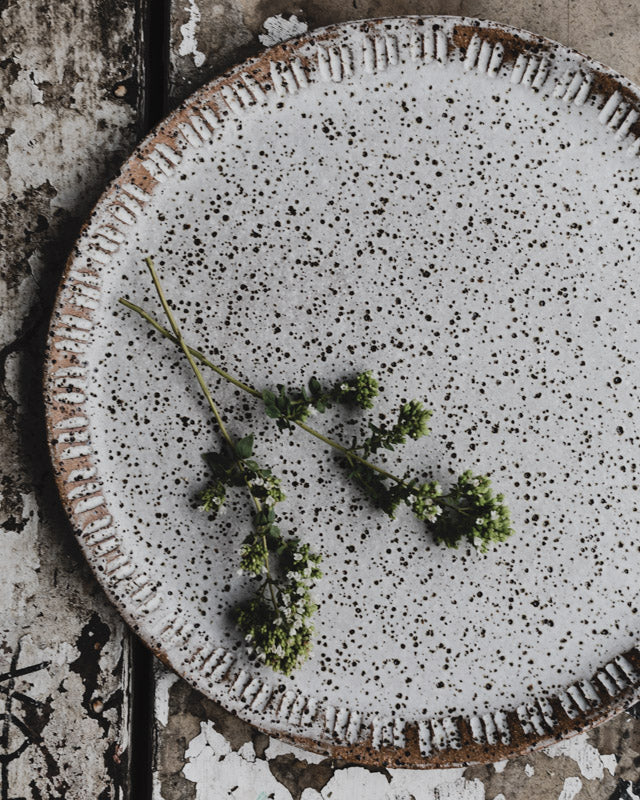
(244, 446)
(314, 386)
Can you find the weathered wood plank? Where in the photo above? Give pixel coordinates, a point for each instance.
(203, 752)
(70, 103)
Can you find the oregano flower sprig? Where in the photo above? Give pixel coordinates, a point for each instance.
(288, 407)
(276, 620)
(474, 512)
(469, 511)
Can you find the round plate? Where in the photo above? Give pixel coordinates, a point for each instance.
(454, 205)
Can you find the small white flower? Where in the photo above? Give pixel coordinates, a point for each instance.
(248, 637)
(240, 572)
(344, 387)
(313, 412)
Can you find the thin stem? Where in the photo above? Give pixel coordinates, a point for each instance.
(446, 502)
(181, 342)
(255, 393)
(177, 336)
(200, 356)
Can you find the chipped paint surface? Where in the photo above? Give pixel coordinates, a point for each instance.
(590, 761)
(206, 753)
(63, 650)
(570, 789)
(189, 44)
(279, 29)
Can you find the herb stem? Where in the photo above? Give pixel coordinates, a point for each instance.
(455, 507)
(192, 352)
(200, 356)
(178, 339)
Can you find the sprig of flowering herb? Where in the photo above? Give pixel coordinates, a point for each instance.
(280, 632)
(451, 517)
(280, 638)
(360, 391)
(291, 406)
(474, 513)
(412, 422)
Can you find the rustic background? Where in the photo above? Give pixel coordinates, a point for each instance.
(84, 712)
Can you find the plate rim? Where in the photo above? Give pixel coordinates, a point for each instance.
(453, 741)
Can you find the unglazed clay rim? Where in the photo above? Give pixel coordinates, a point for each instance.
(486, 48)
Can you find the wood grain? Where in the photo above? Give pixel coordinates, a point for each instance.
(70, 110)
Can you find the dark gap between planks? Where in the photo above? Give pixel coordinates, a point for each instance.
(153, 30)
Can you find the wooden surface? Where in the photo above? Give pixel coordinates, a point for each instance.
(69, 112)
(73, 90)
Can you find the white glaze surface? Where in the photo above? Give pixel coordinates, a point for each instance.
(473, 242)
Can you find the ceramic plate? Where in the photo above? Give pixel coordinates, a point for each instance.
(454, 205)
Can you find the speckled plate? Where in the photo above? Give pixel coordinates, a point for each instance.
(455, 205)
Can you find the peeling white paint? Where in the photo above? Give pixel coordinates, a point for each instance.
(630, 793)
(20, 561)
(591, 763)
(277, 747)
(279, 29)
(164, 682)
(352, 782)
(500, 765)
(436, 784)
(570, 789)
(529, 770)
(460, 790)
(64, 689)
(37, 95)
(219, 772)
(189, 43)
(156, 788)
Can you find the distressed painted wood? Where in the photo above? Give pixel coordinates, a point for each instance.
(201, 750)
(70, 110)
